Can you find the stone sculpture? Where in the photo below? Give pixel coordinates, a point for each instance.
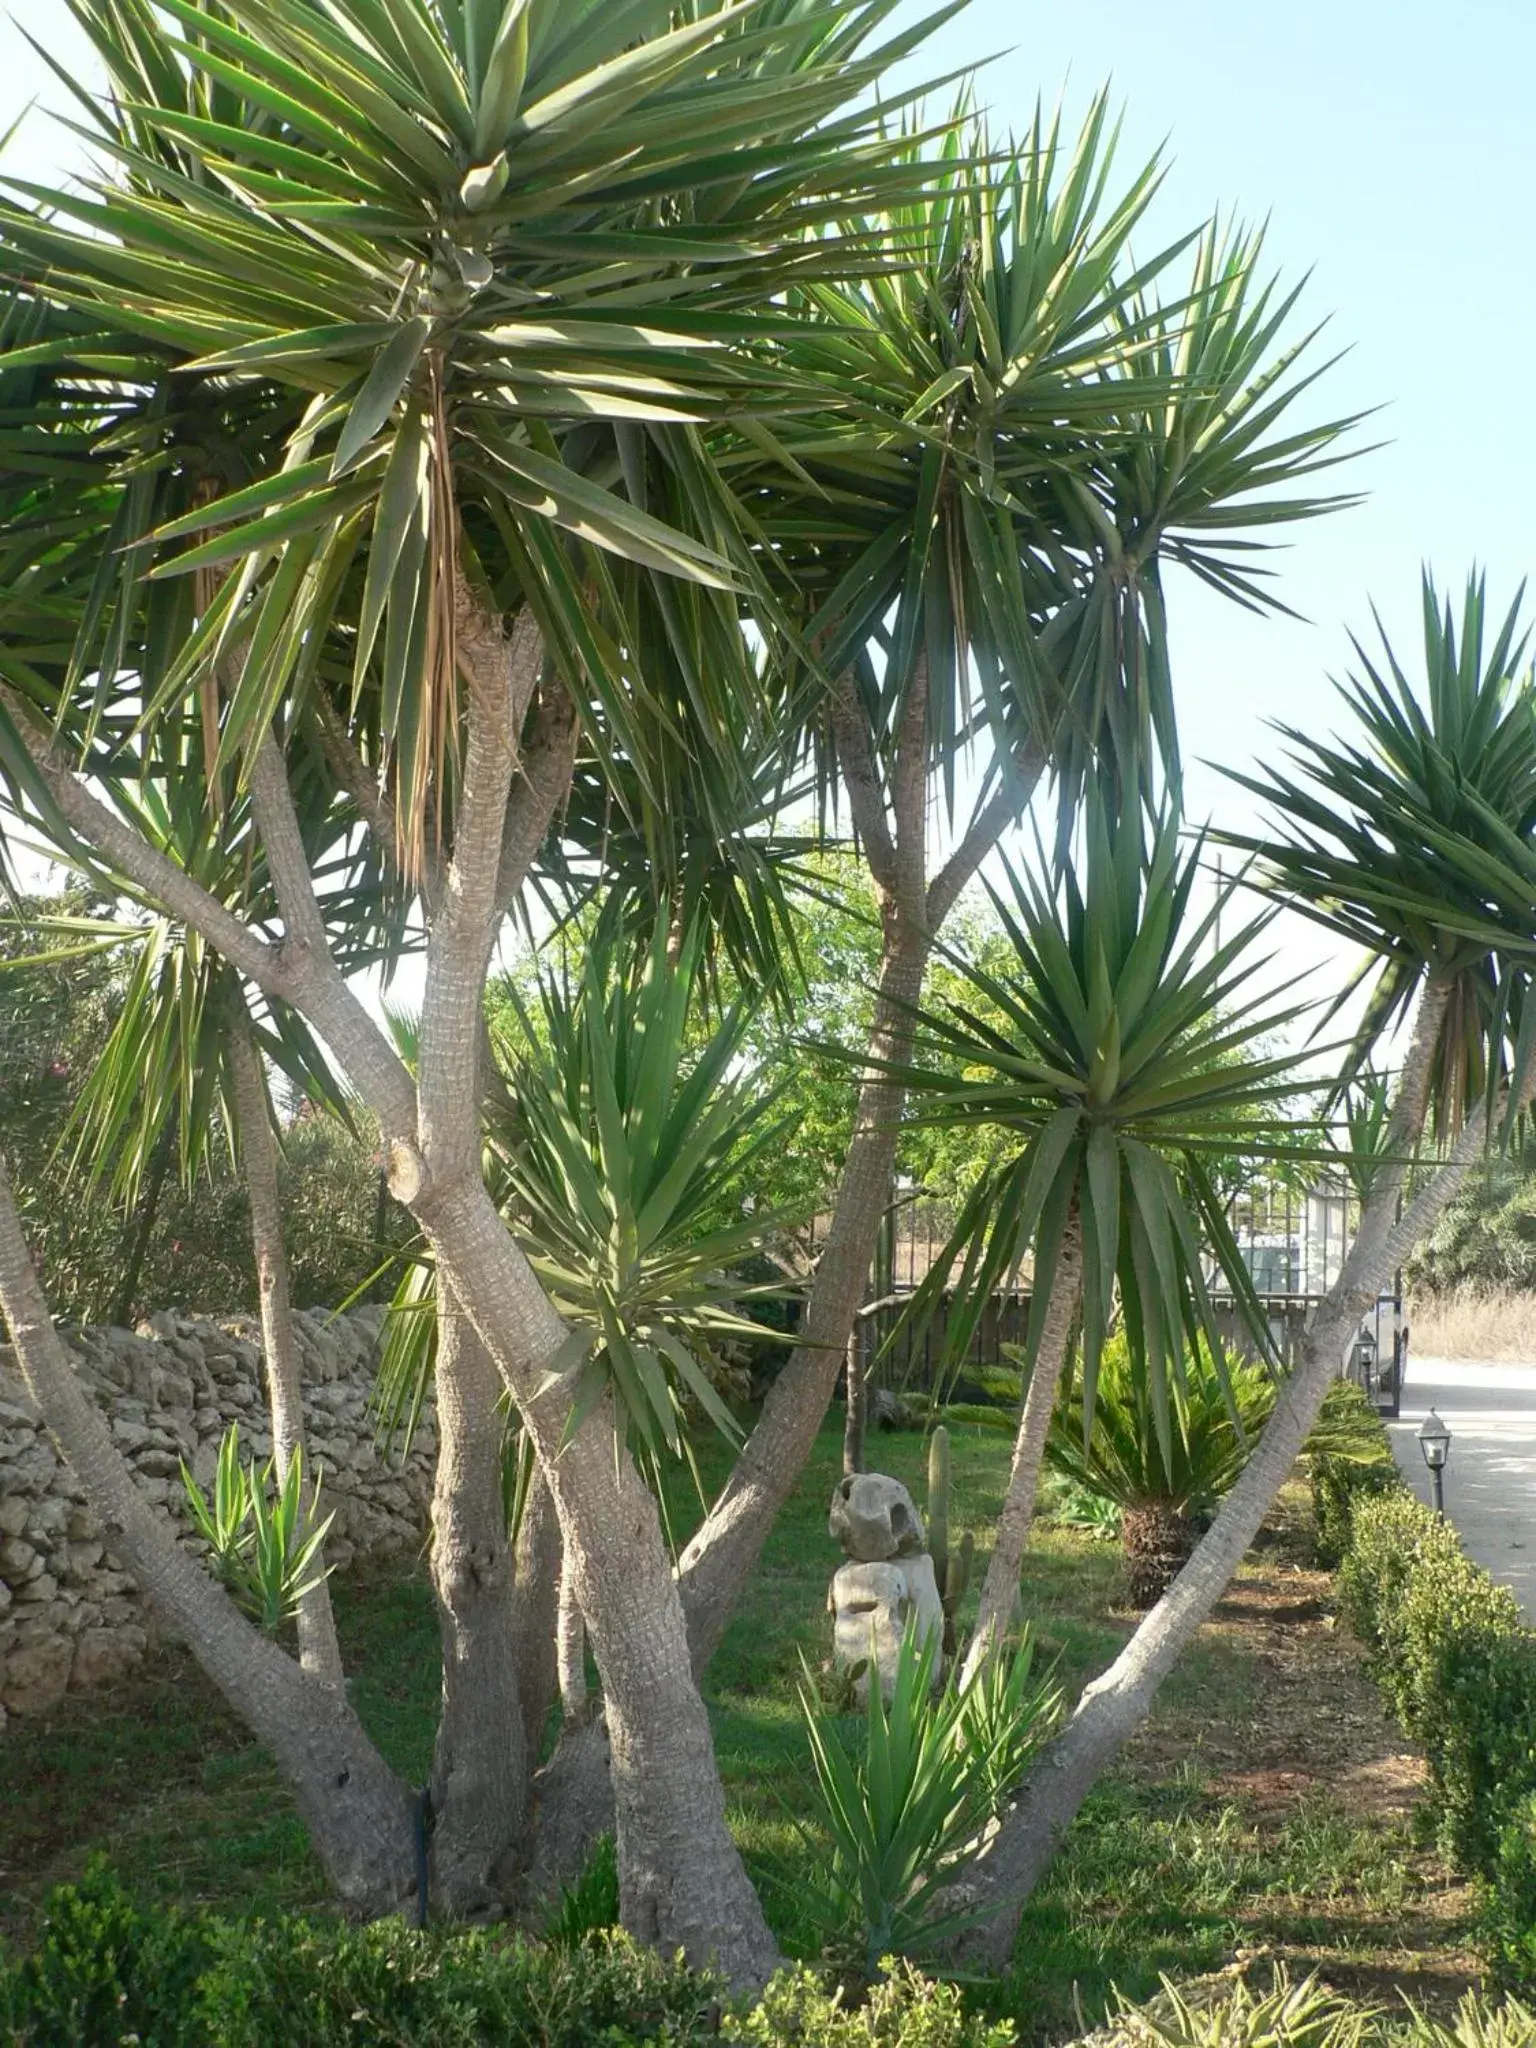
(887, 1582)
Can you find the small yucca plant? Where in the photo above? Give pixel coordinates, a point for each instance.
(937, 1765)
(264, 1538)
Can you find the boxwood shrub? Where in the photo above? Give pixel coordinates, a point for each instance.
(109, 1973)
(1458, 1665)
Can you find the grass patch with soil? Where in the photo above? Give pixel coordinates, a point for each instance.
(1268, 1806)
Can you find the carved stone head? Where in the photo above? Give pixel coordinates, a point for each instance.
(875, 1518)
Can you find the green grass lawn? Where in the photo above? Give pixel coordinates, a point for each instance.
(1268, 1806)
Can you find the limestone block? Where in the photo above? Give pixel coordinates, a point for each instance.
(101, 1653)
(36, 1674)
(49, 1517)
(129, 1434)
(873, 1518)
(13, 1514)
(159, 1464)
(81, 1557)
(18, 1560)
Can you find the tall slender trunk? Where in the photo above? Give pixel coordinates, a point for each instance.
(535, 1601)
(1115, 1704)
(855, 1405)
(719, 1560)
(479, 1780)
(1000, 1588)
(682, 1884)
(142, 1228)
(319, 1650)
(890, 816)
(358, 1813)
(571, 1648)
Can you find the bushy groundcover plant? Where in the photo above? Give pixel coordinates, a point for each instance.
(106, 1973)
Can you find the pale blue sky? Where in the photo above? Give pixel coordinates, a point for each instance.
(1393, 150)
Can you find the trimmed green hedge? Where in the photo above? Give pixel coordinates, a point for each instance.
(1350, 1458)
(106, 1974)
(1459, 1666)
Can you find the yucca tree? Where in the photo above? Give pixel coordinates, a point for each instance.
(1416, 837)
(1120, 1049)
(976, 559)
(339, 393)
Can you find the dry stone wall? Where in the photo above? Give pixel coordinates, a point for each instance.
(70, 1617)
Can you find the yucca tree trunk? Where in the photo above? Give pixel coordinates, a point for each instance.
(716, 1565)
(1000, 1588)
(892, 827)
(571, 1649)
(480, 1765)
(359, 1815)
(682, 1883)
(536, 1600)
(1115, 1704)
(319, 1650)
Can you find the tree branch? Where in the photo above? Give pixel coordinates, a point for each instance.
(318, 988)
(909, 794)
(982, 834)
(861, 779)
(351, 772)
(503, 671)
(132, 855)
(549, 760)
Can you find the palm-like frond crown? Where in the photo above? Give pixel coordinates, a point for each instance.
(360, 300)
(1416, 837)
(1121, 1050)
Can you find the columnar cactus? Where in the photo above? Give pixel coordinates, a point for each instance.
(952, 1574)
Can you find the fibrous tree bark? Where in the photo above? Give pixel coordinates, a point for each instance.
(479, 1784)
(535, 1605)
(571, 1649)
(319, 1649)
(1114, 1705)
(359, 1815)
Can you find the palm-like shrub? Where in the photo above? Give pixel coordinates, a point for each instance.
(937, 1766)
(1162, 1484)
(622, 1152)
(1414, 840)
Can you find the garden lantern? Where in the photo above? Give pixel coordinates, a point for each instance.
(1435, 1443)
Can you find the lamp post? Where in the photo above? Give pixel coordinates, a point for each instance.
(1435, 1443)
